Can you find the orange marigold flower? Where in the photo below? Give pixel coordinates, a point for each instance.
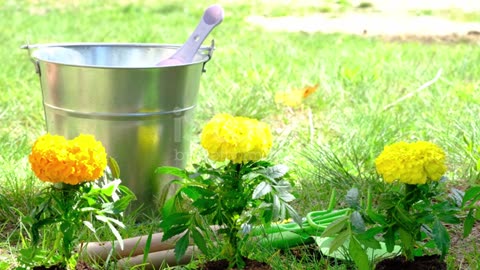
(58, 160)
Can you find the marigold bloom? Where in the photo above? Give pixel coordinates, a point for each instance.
(58, 160)
(238, 139)
(411, 163)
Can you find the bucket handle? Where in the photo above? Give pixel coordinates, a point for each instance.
(209, 55)
(34, 61)
(37, 64)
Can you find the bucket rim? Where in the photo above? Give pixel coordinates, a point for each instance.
(32, 48)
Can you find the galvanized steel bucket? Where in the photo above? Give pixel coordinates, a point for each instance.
(140, 112)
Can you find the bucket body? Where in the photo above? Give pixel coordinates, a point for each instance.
(141, 113)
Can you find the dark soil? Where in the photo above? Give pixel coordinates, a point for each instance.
(420, 263)
(223, 264)
(313, 253)
(80, 266)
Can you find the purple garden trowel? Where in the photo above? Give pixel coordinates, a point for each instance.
(212, 16)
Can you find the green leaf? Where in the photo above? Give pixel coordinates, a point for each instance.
(408, 241)
(148, 244)
(471, 193)
(370, 243)
(114, 168)
(89, 225)
(338, 241)
(358, 254)
(108, 189)
(204, 203)
(376, 217)
(352, 198)
(199, 240)
(403, 217)
(174, 230)
(335, 227)
(276, 171)
(121, 204)
(116, 234)
(172, 171)
(174, 219)
(169, 206)
(293, 214)
(276, 205)
(193, 192)
(357, 221)
(261, 189)
(370, 233)
(389, 238)
(457, 196)
(181, 246)
(286, 197)
(441, 237)
(468, 223)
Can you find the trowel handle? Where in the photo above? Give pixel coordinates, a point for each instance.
(212, 16)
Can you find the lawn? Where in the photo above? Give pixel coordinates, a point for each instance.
(369, 95)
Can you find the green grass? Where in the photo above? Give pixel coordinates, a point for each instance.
(357, 77)
(451, 14)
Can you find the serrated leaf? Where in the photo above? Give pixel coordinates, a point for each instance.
(261, 189)
(293, 214)
(276, 171)
(441, 237)
(286, 197)
(457, 196)
(389, 238)
(174, 219)
(370, 243)
(181, 246)
(203, 204)
(335, 227)
(193, 192)
(276, 207)
(471, 193)
(172, 231)
(358, 254)
(338, 241)
(357, 221)
(377, 218)
(169, 206)
(468, 223)
(199, 240)
(407, 240)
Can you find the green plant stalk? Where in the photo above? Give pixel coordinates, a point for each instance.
(411, 196)
(233, 212)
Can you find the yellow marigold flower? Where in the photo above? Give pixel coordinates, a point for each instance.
(411, 163)
(58, 160)
(238, 139)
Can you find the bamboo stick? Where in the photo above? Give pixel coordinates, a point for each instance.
(132, 247)
(158, 260)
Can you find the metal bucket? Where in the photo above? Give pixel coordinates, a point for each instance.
(140, 112)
